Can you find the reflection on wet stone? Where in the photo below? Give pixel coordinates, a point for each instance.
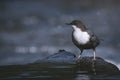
(62, 66)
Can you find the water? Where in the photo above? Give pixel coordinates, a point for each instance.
(50, 72)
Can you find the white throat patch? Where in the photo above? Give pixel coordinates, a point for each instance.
(80, 36)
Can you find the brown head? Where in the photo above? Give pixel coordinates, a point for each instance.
(78, 24)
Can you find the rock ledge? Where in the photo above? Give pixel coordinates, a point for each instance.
(99, 66)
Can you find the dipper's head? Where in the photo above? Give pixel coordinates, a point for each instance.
(78, 24)
(75, 22)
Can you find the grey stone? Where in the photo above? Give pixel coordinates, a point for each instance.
(98, 66)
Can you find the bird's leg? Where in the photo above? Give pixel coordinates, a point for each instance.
(79, 57)
(94, 52)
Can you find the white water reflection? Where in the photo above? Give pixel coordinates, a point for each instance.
(82, 77)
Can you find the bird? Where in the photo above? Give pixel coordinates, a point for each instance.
(83, 38)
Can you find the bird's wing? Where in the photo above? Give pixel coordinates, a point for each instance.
(93, 36)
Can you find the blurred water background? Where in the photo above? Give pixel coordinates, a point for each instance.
(34, 29)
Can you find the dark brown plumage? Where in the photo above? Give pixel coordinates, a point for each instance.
(90, 40)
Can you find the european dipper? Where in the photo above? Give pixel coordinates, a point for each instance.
(83, 38)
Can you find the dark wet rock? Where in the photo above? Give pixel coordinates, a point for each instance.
(62, 66)
(60, 57)
(98, 66)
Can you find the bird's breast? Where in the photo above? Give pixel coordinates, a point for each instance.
(81, 37)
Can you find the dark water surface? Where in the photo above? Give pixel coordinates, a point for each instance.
(49, 72)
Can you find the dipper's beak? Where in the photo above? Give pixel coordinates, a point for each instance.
(68, 23)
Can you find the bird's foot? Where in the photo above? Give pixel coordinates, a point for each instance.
(79, 58)
(94, 59)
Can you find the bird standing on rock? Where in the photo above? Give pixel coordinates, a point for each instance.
(83, 38)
